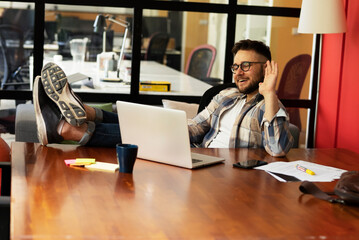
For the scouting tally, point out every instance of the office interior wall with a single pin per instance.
(286, 3)
(196, 32)
(205, 28)
(217, 39)
(338, 108)
(286, 44)
(87, 16)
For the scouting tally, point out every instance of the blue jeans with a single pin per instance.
(107, 133)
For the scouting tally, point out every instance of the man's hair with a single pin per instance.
(257, 46)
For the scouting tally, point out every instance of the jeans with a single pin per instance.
(107, 133)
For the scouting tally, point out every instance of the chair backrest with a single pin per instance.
(12, 51)
(4, 68)
(157, 47)
(291, 83)
(200, 61)
(293, 77)
(213, 91)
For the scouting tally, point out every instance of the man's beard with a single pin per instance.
(251, 88)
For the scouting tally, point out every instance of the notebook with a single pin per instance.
(161, 135)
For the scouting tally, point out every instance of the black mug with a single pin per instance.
(126, 157)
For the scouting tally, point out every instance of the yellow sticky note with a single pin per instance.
(84, 161)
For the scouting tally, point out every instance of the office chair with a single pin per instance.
(157, 47)
(291, 83)
(200, 62)
(12, 64)
(213, 91)
(11, 57)
(210, 93)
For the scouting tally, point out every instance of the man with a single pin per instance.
(247, 116)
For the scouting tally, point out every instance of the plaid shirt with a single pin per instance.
(251, 129)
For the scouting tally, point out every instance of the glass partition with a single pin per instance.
(16, 44)
(183, 49)
(86, 42)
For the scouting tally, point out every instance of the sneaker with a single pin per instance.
(58, 89)
(48, 115)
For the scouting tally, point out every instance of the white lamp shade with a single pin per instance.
(322, 16)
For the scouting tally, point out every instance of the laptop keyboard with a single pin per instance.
(196, 160)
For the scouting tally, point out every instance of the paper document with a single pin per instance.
(322, 173)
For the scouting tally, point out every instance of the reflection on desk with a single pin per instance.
(52, 201)
(181, 84)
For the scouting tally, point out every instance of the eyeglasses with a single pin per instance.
(245, 66)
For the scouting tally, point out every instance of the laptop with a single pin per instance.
(161, 135)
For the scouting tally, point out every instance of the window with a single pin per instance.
(16, 44)
(77, 46)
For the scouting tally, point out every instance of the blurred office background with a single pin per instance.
(188, 25)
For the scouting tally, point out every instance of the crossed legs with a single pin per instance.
(75, 133)
(61, 115)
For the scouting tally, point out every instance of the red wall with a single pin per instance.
(338, 105)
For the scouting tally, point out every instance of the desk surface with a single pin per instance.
(52, 201)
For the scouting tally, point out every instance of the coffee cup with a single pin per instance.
(126, 157)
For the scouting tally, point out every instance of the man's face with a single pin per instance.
(247, 82)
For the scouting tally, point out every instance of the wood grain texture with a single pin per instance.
(52, 201)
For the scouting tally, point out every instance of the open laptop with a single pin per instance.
(161, 135)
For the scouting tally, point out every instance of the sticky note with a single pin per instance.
(68, 162)
(79, 161)
(85, 161)
(103, 166)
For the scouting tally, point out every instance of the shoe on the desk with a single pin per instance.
(58, 89)
(48, 115)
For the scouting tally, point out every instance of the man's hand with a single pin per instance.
(267, 89)
(270, 78)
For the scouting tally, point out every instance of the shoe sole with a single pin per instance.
(41, 126)
(56, 86)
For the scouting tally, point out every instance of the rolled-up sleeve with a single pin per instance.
(277, 138)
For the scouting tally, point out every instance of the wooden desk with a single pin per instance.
(52, 201)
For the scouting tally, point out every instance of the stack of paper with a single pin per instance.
(287, 171)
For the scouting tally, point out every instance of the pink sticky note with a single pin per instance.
(68, 162)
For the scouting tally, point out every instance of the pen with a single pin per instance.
(304, 169)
